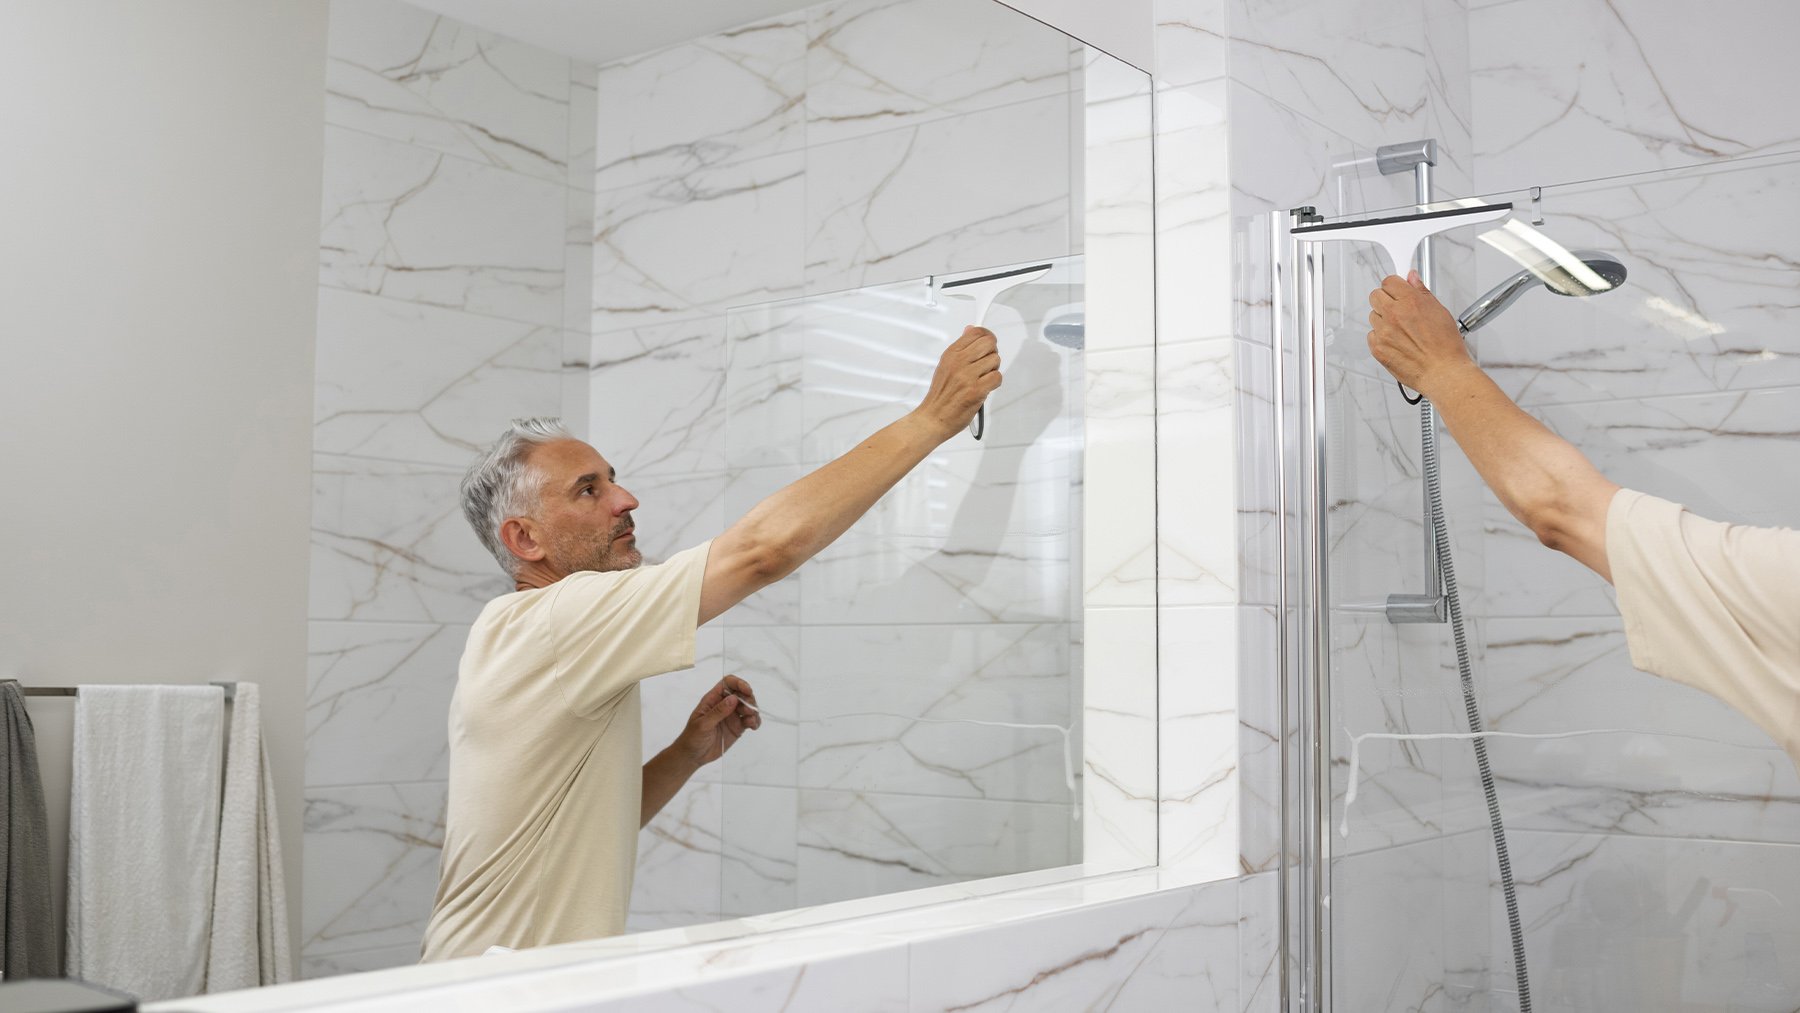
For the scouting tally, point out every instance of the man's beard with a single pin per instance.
(583, 552)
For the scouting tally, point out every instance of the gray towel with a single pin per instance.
(27, 938)
(249, 942)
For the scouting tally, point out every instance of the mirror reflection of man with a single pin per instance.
(547, 793)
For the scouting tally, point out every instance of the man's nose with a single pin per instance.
(631, 502)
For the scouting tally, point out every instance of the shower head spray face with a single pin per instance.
(1610, 270)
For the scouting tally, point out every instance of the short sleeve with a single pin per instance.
(611, 630)
(1712, 605)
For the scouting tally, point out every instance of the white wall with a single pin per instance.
(160, 187)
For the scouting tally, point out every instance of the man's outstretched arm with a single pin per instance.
(1551, 487)
(791, 526)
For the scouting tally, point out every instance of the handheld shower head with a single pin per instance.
(1603, 268)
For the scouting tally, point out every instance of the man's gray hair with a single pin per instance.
(502, 485)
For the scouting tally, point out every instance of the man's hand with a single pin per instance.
(967, 372)
(1414, 336)
(719, 721)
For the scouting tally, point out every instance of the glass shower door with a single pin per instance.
(1651, 830)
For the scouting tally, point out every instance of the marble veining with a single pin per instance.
(371, 865)
(376, 698)
(721, 98)
(396, 71)
(875, 65)
(1624, 86)
(417, 225)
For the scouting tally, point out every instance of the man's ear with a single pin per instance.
(519, 535)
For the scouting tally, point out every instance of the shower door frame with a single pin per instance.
(1303, 614)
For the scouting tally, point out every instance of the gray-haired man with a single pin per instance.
(546, 789)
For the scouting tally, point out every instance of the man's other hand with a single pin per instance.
(719, 721)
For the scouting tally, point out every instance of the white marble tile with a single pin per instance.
(399, 72)
(1395, 935)
(779, 603)
(1190, 41)
(873, 981)
(389, 543)
(1170, 951)
(717, 238)
(577, 393)
(411, 382)
(1119, 475)
(713, 100)
(862, 687)
(658, 398)
(967, 193)
(1623, 923)
(1258, 523)
(869, 356)
(370, 866)
(1193, 226)
(416, 225)
(1625, 87)
(1198, 739)
(760, 872)
(1709, 303)
(1197, 538)
(1259, 739)
(769, 659)
(858, 845)
(1119, 733)
(969, 536)
(874, 65)
(328, 965)
(584, 112)
(765, 364)
(1692, 766)
(1259, 948)
(1118, 205)
(678, 862)
(378, 701)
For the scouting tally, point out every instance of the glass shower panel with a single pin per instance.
(1652, 831)
(920, 679)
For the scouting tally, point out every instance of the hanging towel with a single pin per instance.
(27, 935)
(249, 944)
(143, 836)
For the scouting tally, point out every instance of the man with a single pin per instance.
(546, 792)
(1714, 606)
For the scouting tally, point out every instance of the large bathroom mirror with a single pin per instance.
(724, 251)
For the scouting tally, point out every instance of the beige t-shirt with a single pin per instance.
(546, 756)
(1713, 606)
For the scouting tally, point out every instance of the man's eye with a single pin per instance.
(587, 490)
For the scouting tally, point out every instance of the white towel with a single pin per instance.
(249, 945)
(143, 835)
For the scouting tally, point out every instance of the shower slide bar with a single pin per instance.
(1401, 236)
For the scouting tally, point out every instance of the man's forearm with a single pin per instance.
(810, 514)
(664, 775)
(1541, 478)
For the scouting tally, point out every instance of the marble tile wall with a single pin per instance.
(456, 161)
(1680, 384)
(758, 307)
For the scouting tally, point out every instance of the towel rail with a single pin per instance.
(230, 689)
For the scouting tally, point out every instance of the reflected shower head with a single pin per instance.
(1068, 330)
(1562, 281)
